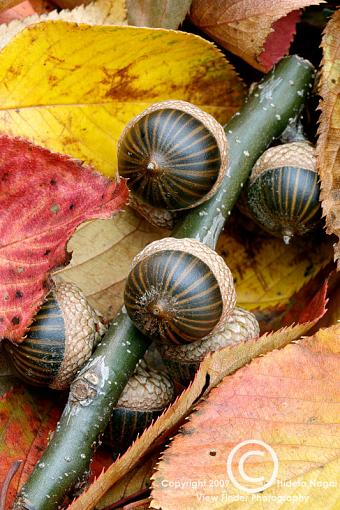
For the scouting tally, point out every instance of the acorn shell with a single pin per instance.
(183, 361)
(146, 395)
(174, 155)
(62, 337)
(283, 192)
(179, 290)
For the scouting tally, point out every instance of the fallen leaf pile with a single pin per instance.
(72, 74)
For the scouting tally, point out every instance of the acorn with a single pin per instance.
(179, 290)
(283, 191)
(146, 395)
(183, 361)
(61, 338)
(173, 154)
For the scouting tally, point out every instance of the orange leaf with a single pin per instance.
(24, 9)
(328, 154)
(212, 369)
(288, 400)
(27, 417)
(259, 31)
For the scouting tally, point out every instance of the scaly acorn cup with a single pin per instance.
(183, 361)
(146, 395)
(249, 133)
(283, 191)
(60, 340)
(160, 218)
(179, 290)
(174, 155)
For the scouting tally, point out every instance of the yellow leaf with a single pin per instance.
(328, 146)
(101, 256)
(78, 85)
(212, 370)
(101, 12)
(271, 425)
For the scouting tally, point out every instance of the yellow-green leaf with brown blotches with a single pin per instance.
(78, 85)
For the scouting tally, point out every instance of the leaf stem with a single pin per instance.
(9, 477)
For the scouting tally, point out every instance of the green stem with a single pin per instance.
(273, 103)
(93, 394)
(98, 386)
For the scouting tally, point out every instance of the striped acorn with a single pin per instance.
(146, 395)
(179, 290)
(174, 155)
(183, 361)
(61, 338)
(283, 191)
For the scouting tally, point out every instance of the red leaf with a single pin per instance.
(278, 42)
(43, 198)
(27, 417)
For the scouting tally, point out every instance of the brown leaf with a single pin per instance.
(101, 256)
(328, 153)
(157, 13)
(136, 482)
(259, 31)
(289, 400)
(212, 369)
(43, 198)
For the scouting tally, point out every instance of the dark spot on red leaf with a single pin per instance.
(71, 206)
(18, 294)
(50, 224)
(15, 320)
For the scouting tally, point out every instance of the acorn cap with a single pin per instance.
(83, 330)
(241, 325)
(161, 218)
(147, 390)
(294, 154)
(206, 119)
(207, 255)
